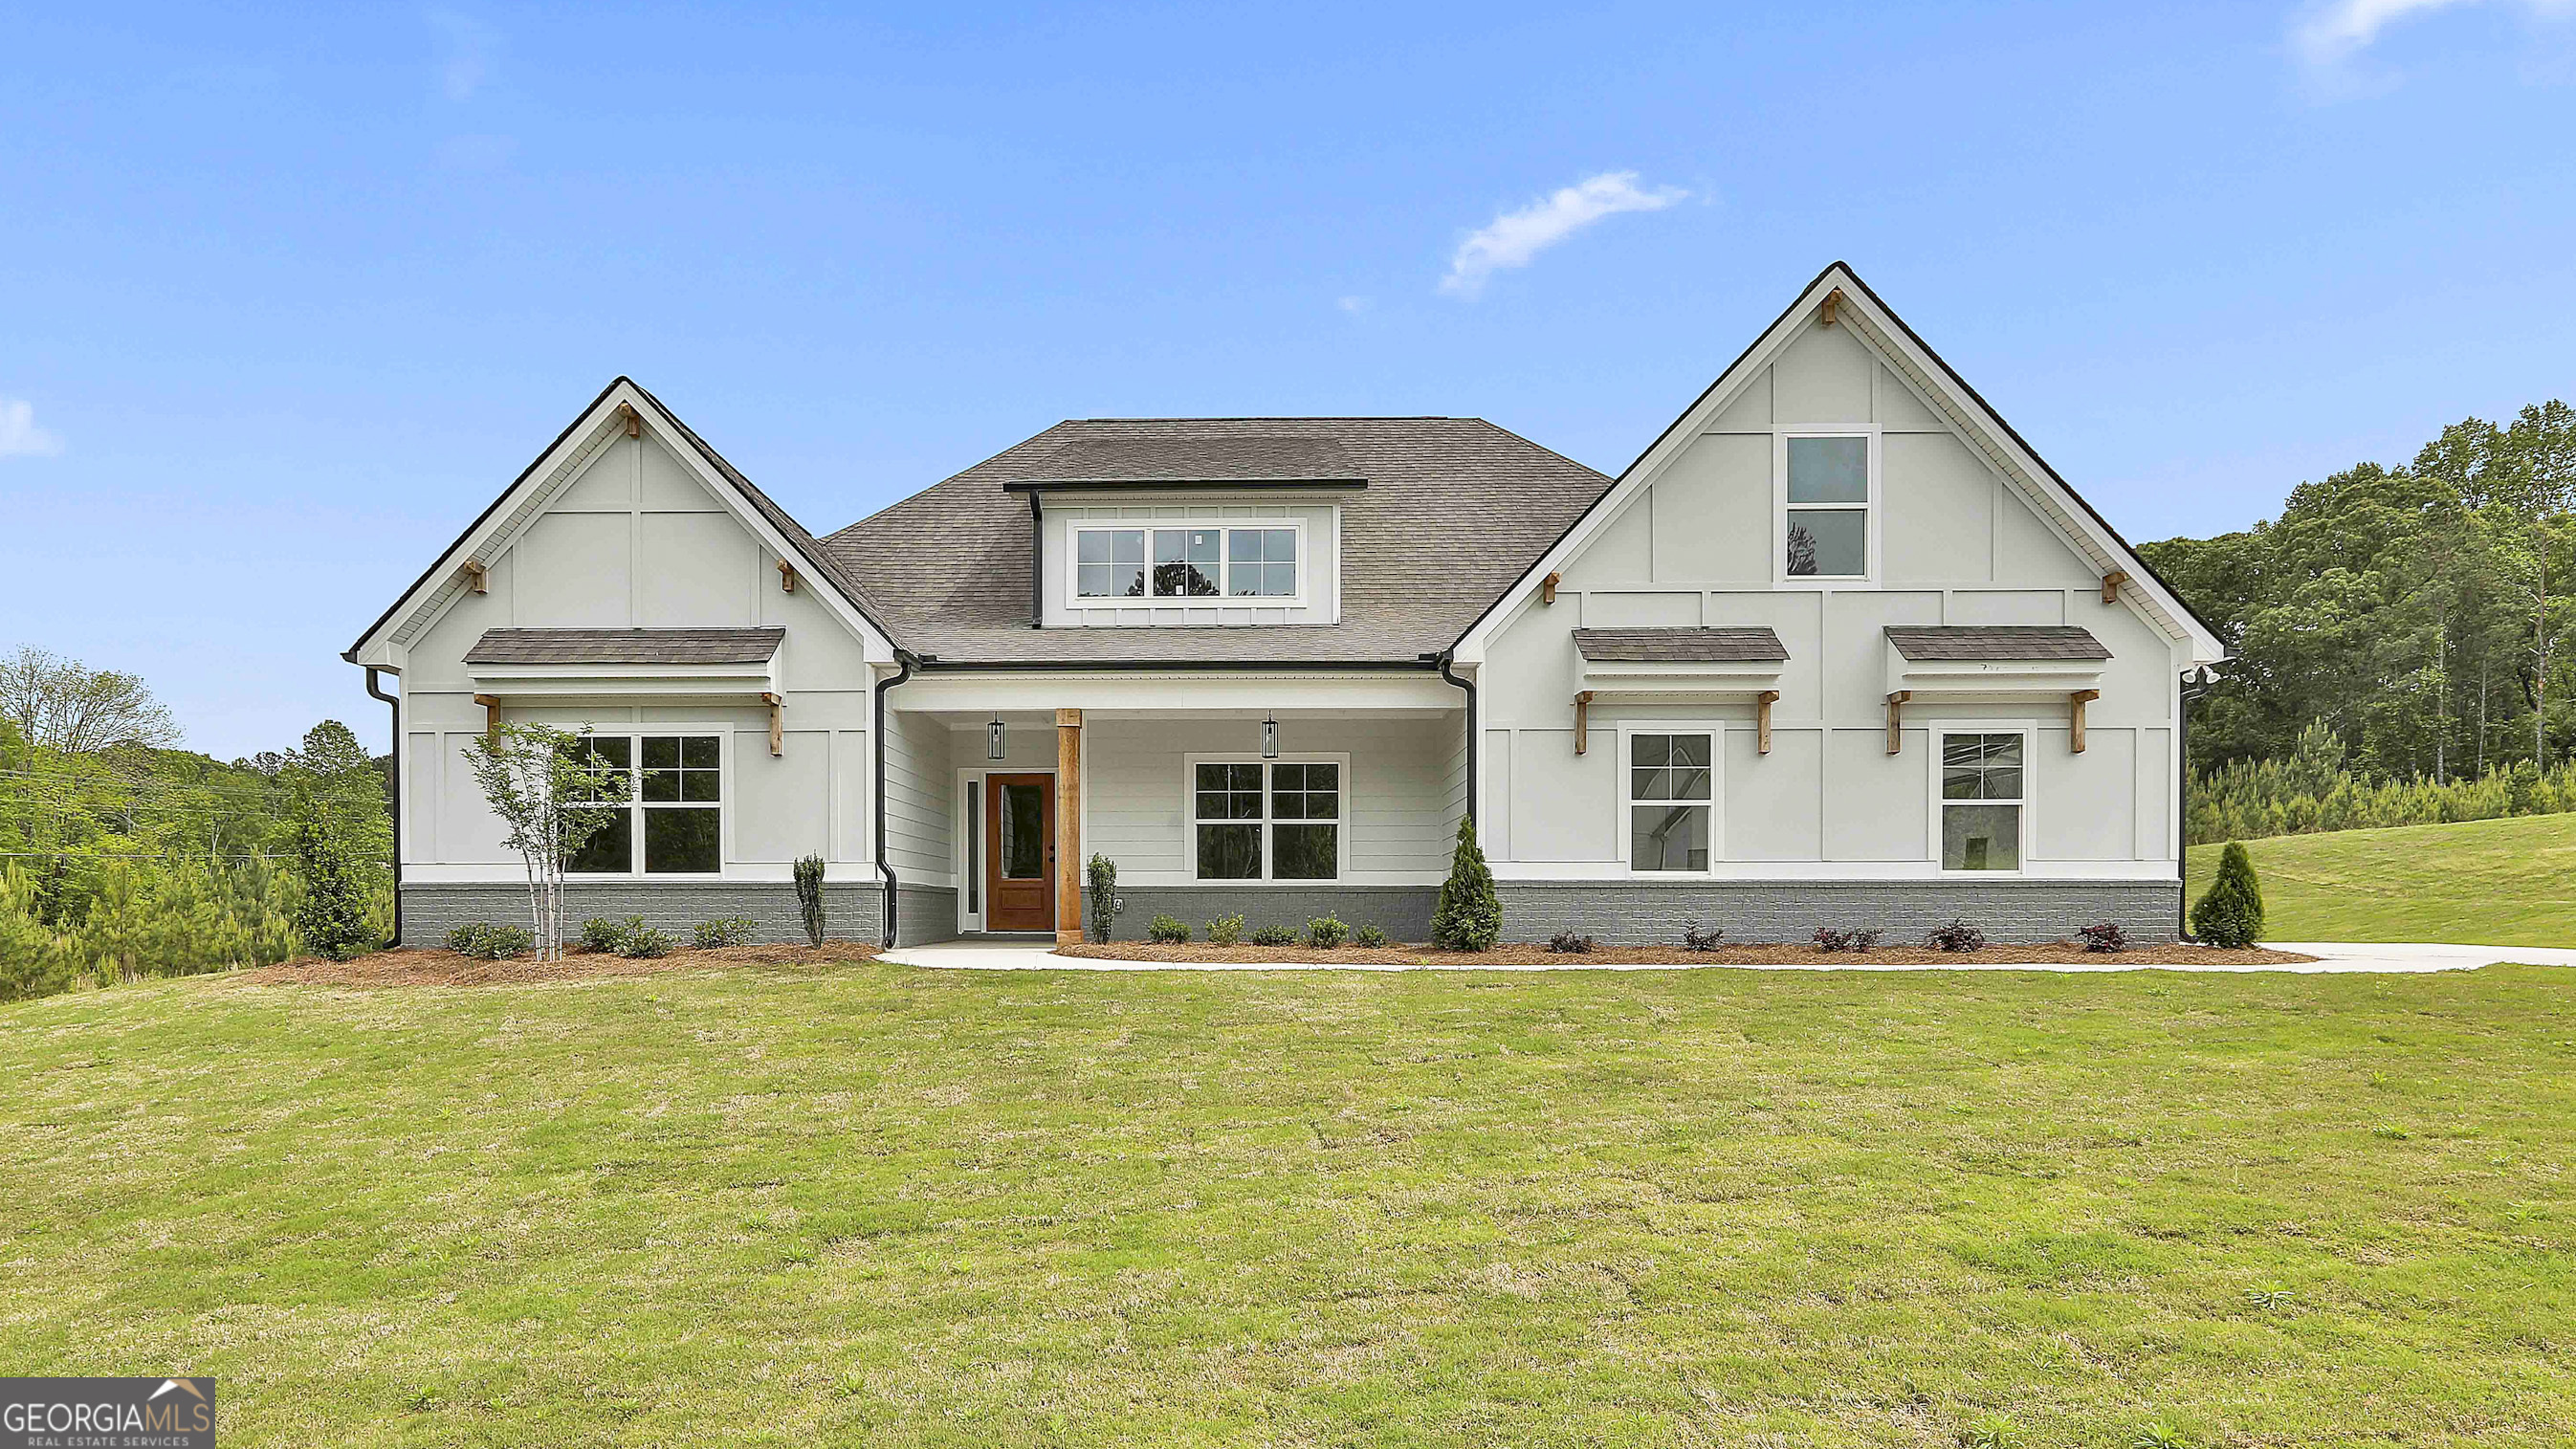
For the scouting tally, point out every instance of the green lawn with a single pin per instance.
(873, 1205)
(2485, 882)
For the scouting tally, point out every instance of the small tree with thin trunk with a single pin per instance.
(552, 794)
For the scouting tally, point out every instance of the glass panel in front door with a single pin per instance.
(1022, 855)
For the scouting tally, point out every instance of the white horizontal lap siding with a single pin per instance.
(919, 838)
(1396, 798)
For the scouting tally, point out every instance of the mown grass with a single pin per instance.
(874, 1205)
(2482, 882)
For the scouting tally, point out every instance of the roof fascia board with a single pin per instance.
(553, 470)
(1267, 487)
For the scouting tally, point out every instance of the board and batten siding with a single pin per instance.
(1957, 546)
(633, 540)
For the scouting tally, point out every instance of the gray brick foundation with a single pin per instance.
(1637, 914)
(1403, 912)
(433, 908)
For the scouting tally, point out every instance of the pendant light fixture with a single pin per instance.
(993, 739)
(1270, 739)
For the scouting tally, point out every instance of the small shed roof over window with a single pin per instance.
(1680, 646)
(1186, 461)
(1998, 642)
(625, 646)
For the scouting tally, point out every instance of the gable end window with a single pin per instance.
(1984, 793)
(1198, 562)
(1266, 820)
(673, 820)
(1828, 486)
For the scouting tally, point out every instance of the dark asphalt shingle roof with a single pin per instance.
(1995, 641)
(1187, 458)
(1726, 646)
(625, 646)
(1454, 511)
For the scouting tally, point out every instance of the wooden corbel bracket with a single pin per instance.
(476, 572)
(1547, 588)
(777, 727)
(2075, 702)
(1895, 710)
(1582, 721)
(1762, 720)
(786, 577)
(2111, 585)
(634, 420)
(491, 713)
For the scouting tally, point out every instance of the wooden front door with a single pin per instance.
(1019, 852)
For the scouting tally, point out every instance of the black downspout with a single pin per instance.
(1037, 562)
(2195, 685)
(1442, 659)
(885, 868)
(393, 751)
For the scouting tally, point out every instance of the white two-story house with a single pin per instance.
(1838, 649)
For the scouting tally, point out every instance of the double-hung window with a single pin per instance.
(1984, 792)
(1266, 820)
(1825, 497)
(671, 821)
(1671, 801)
(1197, 562)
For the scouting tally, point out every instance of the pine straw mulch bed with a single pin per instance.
(1533, 954)
(447, 968)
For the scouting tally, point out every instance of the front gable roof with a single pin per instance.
(1985, 430)
(598, 425)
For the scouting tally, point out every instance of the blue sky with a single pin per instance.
(286, 297)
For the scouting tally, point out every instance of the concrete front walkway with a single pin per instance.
(2333, 956)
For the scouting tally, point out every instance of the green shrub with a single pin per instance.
(2231, 914)
(723, 931)
(1368, 935)
(1102, 904)
(643, 940)
(1168, 930)
(1326, 932)
(1275, 936)
(599, 933)
(809, 896)
(1469, 916)
(487, 942)
(1226, 930)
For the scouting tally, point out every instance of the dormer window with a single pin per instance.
(1195, 562)
(1827, 485)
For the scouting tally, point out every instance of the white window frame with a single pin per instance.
(1715, 730)
(1075, 599)
(1780, 506)
(1190, 821)
(1939, 730)
(635, 735)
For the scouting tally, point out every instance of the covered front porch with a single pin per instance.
(1278, 797)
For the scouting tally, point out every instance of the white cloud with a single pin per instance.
(19, 435)
(468, 62)
(1515, 237)
(2335, 31)
(1352, 305)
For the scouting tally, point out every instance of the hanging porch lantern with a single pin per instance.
(993, 739)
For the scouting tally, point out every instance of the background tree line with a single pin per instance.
(2399, 640)
(122, 856)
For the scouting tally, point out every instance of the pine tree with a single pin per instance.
(1469, 916)
(2231, 914)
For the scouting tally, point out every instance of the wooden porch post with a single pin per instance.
(1068, 827)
